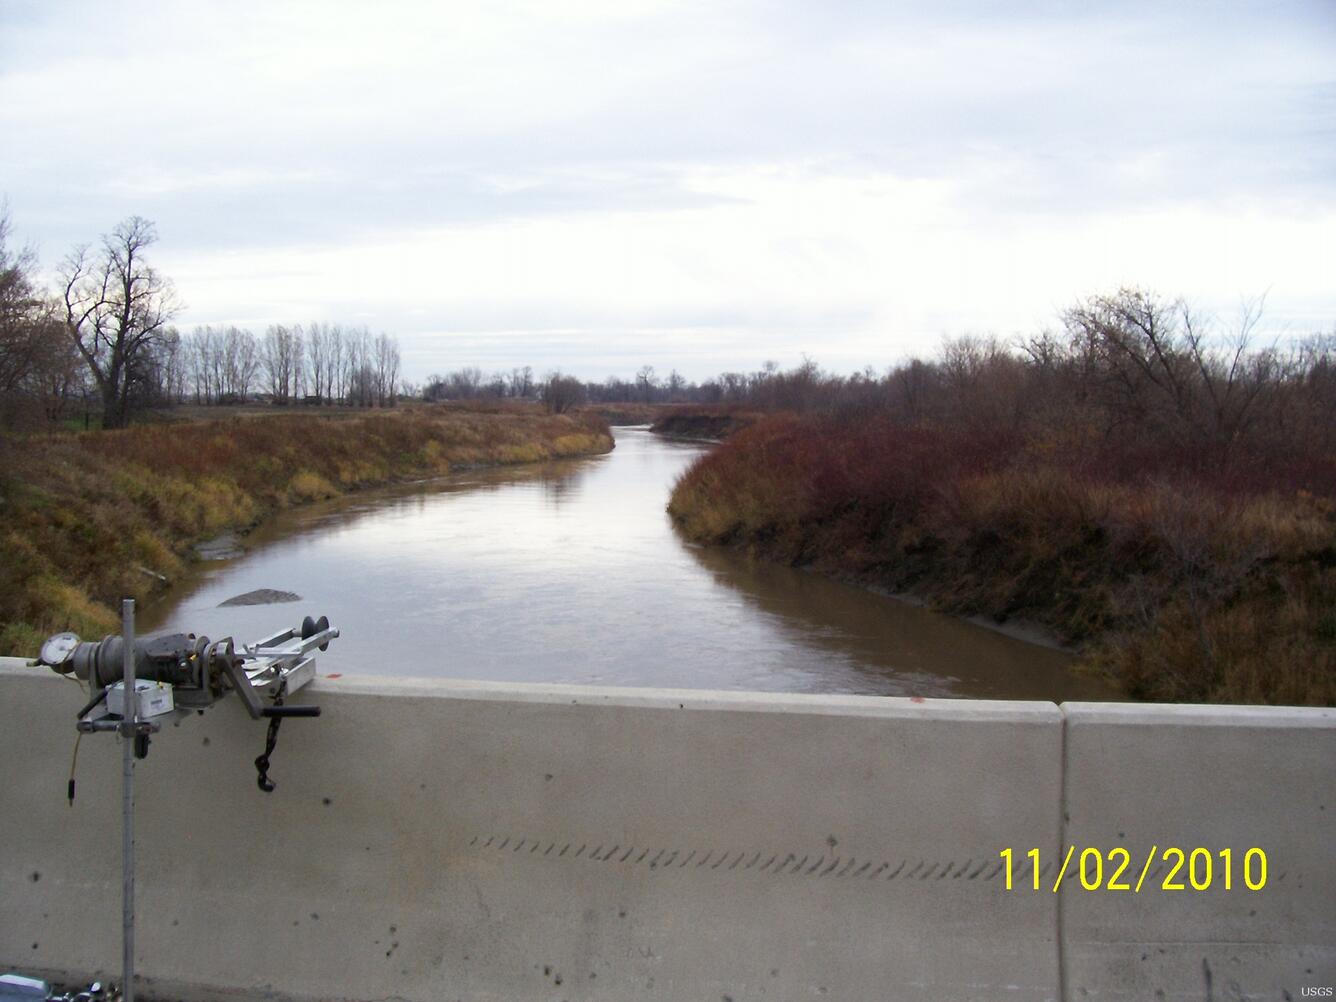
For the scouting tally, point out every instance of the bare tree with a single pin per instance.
(561, 393)
(39, 370)
(298, 388)
(205, 362)
(173, 359)
(278, 358)
(241, 363)
(464, 383)
(387, 369)
(647, 383)
(734, 386)
(359, 374)
(20, 306)
(676, 384)
(317, 353)
(1234, 378)
(117, 309)
(334, 365)
(521, 382)
(1136, 355)
(1158, 368)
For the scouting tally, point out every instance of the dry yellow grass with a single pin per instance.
(86, 516)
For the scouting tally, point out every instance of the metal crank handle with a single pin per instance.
(290, 711)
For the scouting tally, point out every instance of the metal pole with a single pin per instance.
(129, 726)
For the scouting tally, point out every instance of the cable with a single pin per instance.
(76, 680)
(73, 764)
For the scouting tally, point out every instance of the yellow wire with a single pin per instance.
(76, 680)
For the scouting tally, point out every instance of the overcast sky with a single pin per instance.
(600, 185)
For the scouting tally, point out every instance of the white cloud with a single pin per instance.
(601, 179)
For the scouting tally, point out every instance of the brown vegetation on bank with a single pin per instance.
(1165, 507)
(90, 518)
(625, 412)
(710, 423)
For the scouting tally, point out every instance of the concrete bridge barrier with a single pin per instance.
(440, 840)
(1214, 783)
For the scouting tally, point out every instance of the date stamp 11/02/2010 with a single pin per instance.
(1179, 869)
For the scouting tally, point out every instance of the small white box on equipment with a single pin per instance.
(154, 698)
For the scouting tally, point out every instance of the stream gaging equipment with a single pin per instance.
(137, 686)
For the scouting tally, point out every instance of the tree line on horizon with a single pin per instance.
(1131, 365)
(317, 364)
(103, 340)
(1131, 368)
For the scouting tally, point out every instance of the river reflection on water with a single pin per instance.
(573, 573)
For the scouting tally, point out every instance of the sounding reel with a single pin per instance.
(179, 672)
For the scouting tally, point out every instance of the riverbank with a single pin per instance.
(94, 517)
(1178, 588)
(705, 424)
(623, 413)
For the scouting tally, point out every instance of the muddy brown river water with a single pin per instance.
(572, 572)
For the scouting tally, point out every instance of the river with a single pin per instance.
(572, 572)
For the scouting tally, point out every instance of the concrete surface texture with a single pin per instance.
(455, 840)
(1202, 780)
